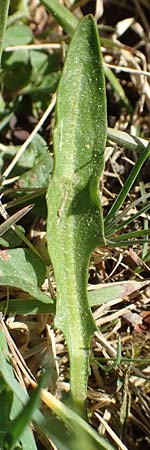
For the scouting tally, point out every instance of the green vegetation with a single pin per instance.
(91, 223)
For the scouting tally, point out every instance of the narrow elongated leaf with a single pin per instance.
(14, 218)
(127, 186)
(27, 439)
(112, 291)
(116, 85)
(126, 140)
(69, 23)
(18, 425)
(75, 423)
(119, 222)
(4, 6)
(87, 437)
(131, 234)
(101, 294)
(11, 383)
(28, 306)
(63, 16)
(6, 399)
(75, 221)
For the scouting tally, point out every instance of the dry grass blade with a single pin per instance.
(113, 435)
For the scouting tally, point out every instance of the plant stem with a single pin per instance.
(4, 7)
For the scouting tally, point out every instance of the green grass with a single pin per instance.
(82, 235)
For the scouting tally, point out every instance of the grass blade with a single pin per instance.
(116, 225)
(73, 421)
(132, 234)
(102, 294)
(145, 246)
(16, 390)
(76, 423)
(126, 140)
(18, 425)
(127, 186)
(63, 16)
(128, 243)
(113, 80)
(4, 7)
(14, 218)
(112, 291)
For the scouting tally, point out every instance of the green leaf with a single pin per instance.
(18, 34)
(120, 222)
(17, 79)
(43, 63)
(19, 5)
(36, 149)
(6, 399)
(64, 17)
(27, 440)
(15, 60)
(75, 221)
(131, 234)
(11, 239)
(9, 383)
(47, 84)
(53, 428)
(126, 140)
(12, 386)
(28, 306)
(16, 69)
(116, 85)
(101, 294)
(69, 22)
(23, 269)
(37, 159)
(38, 176)
(4, 7)
(84, 436)
(13, 219)
(18, 425)
(112, 291)
(127, 186)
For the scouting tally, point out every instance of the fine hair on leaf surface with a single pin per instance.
(89, 278)
(75, 222)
